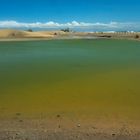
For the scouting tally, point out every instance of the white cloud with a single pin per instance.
(73, 24)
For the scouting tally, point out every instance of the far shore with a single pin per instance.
(20, 35)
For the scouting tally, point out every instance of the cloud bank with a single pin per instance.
(115, 26)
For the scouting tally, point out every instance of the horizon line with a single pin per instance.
(113, 26)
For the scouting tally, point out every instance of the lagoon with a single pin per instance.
(80, 76)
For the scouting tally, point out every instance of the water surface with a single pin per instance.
(70, 76)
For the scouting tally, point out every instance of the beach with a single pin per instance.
(57, 128)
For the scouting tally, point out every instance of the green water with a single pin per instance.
(82, 76)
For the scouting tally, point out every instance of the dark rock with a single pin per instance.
(113, 134)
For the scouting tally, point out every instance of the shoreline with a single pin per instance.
(59, 126)
(46, 39)
(21, 128)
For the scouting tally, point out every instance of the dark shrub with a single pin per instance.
(65, 30)
(136, 36)
(30, 30)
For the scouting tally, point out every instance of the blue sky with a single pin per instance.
(64, 11)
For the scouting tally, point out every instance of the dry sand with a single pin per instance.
(9, 35)
(17, 34)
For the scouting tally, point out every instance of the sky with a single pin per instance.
(85, 14)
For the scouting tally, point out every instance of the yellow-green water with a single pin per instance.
(70, 76)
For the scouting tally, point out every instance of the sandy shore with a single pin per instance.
(19, 35)
(24, 129)
(63, 126)
(60, 128)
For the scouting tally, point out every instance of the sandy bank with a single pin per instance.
(20, 35)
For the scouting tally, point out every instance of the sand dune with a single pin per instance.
(11, 33)
(25, 34)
